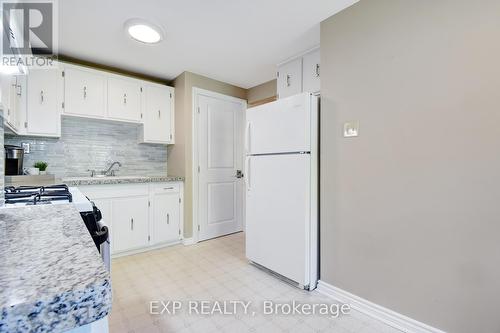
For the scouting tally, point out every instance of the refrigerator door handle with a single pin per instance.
(247, 172)
(247, 137)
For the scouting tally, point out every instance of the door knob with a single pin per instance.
(239, 174)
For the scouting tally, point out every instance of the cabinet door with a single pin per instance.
(166, 215)
(130, 223)
(290, 78)
(12, 92)
(124, 99)
(44, 102)
(158, 101)
(311, 72)
(85, 93)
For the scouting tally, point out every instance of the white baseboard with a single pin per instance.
(375, 311)
(143, 249)
(188, 241)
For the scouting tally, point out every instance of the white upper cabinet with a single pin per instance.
(44, 102)
(311, 73)
(85, 92)
(33, 103)
(301, 74)
(13, 91)
(124, 99)
(290, 78)
(158, 114)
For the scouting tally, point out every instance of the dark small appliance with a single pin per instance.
(14, 156)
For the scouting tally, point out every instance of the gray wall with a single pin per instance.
(94, 144)
(410, 209)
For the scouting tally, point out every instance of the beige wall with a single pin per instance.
(410, 209)
(180, 154)
(262, 93)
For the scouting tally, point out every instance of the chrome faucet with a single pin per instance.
(110, 171)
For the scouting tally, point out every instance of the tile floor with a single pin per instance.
(214, 270)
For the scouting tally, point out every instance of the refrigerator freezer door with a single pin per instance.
(280, 127)
(278, 214)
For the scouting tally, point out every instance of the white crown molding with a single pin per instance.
(376, 311)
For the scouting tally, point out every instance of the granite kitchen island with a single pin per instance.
(52, 278)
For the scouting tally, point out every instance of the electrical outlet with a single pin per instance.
(351, 129)
(26, 147)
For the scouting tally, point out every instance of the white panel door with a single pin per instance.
(166, 218)
(220, 206)
(277, 213)
(44, 102)
(124, 99)
(158, 109)
(130, 223)
(85, 93)
(279, 127)
(290, 78)
(311, 72)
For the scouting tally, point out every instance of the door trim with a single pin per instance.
(195, 93)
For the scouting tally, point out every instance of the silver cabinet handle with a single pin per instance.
(159, 114)
(41, 96)
(317, 70)
(84, 91)
(124, 98)
(168, 188)
(288, 77)
(132, 224)
(168, 218)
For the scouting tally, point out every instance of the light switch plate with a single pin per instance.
(351, 129)
(26, 147)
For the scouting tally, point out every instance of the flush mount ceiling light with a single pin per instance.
(144, 31)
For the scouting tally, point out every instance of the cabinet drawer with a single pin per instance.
(114, 190)
(165, 188)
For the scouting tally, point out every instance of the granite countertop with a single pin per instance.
(79, 181)
(52, 277)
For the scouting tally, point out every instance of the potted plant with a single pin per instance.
(42, 166)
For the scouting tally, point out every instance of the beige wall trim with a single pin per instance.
(387, 316)
(263, 92)
(263, 101)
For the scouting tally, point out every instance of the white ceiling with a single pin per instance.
(236, 41)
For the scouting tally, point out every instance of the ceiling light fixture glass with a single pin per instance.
(144, 31)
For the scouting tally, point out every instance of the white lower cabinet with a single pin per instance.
(130, 223)
(139, 216)
(166, 217)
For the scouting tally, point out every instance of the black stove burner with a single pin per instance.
(35, 195)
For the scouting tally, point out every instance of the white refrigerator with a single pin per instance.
(281, 166)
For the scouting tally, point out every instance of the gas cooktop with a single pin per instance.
(37, 195)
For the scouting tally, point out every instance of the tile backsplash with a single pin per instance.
(94, 144)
